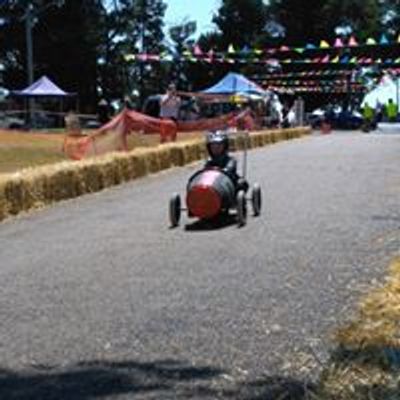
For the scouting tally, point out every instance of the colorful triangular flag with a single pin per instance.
(324, 44)
(353, 42)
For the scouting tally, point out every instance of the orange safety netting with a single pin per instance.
(113, 135)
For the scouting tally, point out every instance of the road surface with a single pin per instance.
(100, 299)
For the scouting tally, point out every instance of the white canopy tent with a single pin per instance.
(388, 89)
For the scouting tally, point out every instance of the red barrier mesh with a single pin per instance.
(113, 135)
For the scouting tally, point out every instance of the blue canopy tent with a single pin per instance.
(232, 90)
(235, 84)
(43, 88)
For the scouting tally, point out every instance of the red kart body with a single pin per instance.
(209, 192)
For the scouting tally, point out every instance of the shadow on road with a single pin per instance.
(386, 218)
(153, 380)
(96, 379)
(273, 388)
(220, 222)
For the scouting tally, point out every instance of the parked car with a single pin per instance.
(151, 106)
(338, 118)
(11, 122)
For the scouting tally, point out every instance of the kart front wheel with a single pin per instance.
(256, 199)
(241, 208)
(174, 210)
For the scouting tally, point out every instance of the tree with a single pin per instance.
(67, 47)
(361, 15)
(181, 36)
(65, 44)
(300, 21)
(136, 27)
(390, 17)
(318, 21)
(240, 22)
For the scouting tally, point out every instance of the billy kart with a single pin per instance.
(212, 193)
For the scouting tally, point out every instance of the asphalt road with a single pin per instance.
(100, 299)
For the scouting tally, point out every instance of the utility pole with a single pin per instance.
(29, 44)
(29, 17)
(144, 51)
(29, 55)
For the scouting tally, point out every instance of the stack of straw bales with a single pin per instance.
(36, 187)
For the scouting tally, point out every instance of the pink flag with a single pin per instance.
(197, 50)
(338, 43)
(353, 42)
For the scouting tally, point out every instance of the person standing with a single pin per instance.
(170, 103)
(391, 111)
(103, 112)
(369, 115)
(169, 108)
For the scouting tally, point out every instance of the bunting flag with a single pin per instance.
(384, 40)
(353, 42)
(324, 44)
(197, 51)
(212, 57)
(231, 49)
(338, 43)
(274, 57)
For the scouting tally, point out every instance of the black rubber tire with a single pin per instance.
(241, 207)
(256, 199)
(174, 210)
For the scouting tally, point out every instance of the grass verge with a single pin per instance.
(366, 362)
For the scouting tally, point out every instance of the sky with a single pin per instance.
(201, 11)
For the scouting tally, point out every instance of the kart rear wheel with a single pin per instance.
(174, 210)
(241, 208)
(256, 199)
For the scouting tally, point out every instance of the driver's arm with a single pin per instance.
(231, 168)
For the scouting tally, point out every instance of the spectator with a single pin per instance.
(391, 111)
(285, 112)
(379, 111)
(103, 111)
(128, 103)
(368, 115)
(170, 104)
(72, 123)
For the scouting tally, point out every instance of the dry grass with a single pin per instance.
(19, 150)
(366, 364)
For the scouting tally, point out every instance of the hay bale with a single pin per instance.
(110, 172)
(258, 139)
(153, 161)
(20, 193)
(3, 200)
(192, 151)
(139, 164)
(90, 178)
(165, 157)
(266, 139)
(60, 184)
(47, 184)
(125, 168)
(15, 194)
(177, 156)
